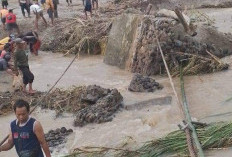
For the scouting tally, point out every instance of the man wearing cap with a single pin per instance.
(21, 62)
(11, 22)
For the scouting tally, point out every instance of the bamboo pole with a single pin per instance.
(188, 117)
(180, 106)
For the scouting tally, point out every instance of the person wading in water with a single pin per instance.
(26, 133)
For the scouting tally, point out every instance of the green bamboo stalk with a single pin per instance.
(188, 117)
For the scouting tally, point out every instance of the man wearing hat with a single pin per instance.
(21, 62)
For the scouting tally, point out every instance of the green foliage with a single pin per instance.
(215, 135)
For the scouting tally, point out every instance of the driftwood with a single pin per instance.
(189, 28)
(148, 10)
(182, 20)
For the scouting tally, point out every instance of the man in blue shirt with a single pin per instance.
(26, 134)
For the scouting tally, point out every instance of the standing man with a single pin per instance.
(50, 10)
(21, 62)
(38, 13)
(88, 8)
(26, 133)
(3, 13)
(24, 4)
(4, 3)
(11, 22)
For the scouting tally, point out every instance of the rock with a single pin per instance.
(141, 83)
(63, 130)
(109, 101)
(57, 137)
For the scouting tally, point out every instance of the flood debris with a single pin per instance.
(210, 136)
(57, 137)
(91, 104)
(101, 104)
(140, 83)
(7, 100)
(138, 51)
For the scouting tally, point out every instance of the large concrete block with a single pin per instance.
(120, 40)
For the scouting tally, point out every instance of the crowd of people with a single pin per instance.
(26, 133)
(14, 52)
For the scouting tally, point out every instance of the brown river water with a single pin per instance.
(206, 95)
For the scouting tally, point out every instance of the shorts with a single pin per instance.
(4, 3)
(28, 77)
(88, 8)
(11, 26)
(3, 20)
(50, 13)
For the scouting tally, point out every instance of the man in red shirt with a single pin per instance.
(11, 22)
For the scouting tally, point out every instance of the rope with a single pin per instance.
(46, 94)
(187, 130)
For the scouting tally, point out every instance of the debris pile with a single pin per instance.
(136, 49)
(81, 37)
(194, 56)
(91, 104)
(101, 104)
(140, 83)
(226, 4)
(57, 137)
(64, 100)
(7, 99)
(211, 136)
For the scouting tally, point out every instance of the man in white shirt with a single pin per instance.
(38, 11)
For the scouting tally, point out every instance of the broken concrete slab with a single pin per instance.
(166, 100)
(120, 40)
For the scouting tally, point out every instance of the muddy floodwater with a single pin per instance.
(206, 95)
